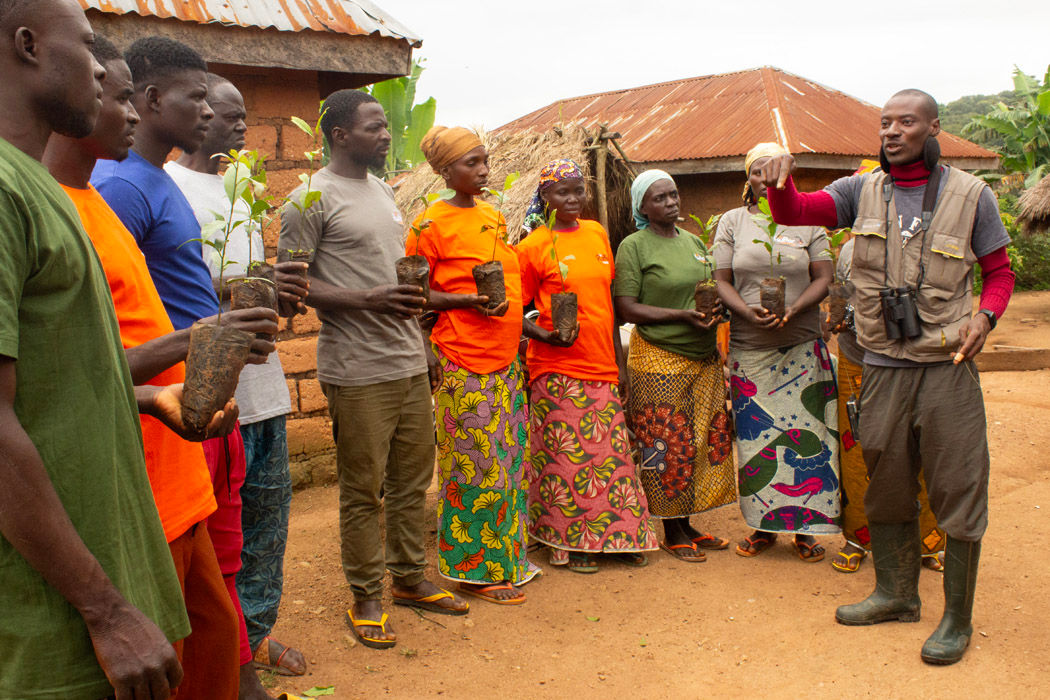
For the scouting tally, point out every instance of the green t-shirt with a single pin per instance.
(663, 272)
(75, 400)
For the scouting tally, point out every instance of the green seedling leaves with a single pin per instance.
(303, 126)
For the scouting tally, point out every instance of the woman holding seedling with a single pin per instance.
(772, 279)
(480, 401)
(676, 401)
(585, 497)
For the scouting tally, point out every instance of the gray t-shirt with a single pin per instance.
(357, 233)
(797, 246)
(988, 233)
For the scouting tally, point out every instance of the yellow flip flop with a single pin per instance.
(430, 603)
(369, 641)
(849, 567)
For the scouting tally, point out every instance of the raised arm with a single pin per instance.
(789, 206)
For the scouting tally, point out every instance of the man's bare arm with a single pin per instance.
(131, 650)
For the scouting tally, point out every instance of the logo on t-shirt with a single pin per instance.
(602, 258)
(913, 228)
(792, 241)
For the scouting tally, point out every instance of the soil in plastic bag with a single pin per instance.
(216, 357)
(564, 311)
(489, 279)
(771, 295)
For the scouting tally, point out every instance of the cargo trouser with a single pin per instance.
(384, 435)
(930, 418)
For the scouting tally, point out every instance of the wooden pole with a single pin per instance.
(603, 205)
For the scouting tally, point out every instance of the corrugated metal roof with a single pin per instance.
(354, 17)
(721, 116)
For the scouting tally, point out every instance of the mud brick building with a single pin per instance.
(285, 56)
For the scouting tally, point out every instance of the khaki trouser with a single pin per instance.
(929, 418)
(384, 435)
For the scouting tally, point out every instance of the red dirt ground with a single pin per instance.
(730, 627)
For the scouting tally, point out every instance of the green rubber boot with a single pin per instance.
(948, 642)
(896, 551)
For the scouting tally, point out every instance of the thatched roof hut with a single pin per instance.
(526, 153)
(1035, 207)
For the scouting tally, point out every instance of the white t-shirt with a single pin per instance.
(261, 392)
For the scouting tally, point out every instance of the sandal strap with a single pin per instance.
(433, 597)
(381, 624)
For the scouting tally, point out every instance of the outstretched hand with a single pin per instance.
(776, 170)
(167, 408)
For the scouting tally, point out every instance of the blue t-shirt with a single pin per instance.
(157, 214)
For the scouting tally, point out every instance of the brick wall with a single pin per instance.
(270, 98)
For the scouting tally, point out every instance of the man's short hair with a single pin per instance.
(215, 80)
(932, 110)
(11, 8)
(340, 108)
(104, 50)
(156, 57)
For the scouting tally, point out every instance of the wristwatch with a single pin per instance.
(991, 317)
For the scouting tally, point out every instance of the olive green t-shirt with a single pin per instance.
(663, 272)
(74, 398)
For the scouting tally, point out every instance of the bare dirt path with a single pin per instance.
(730, 627)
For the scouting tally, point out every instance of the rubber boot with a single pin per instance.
(949, 641)
(897, 554)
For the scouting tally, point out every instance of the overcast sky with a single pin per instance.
(491, 61)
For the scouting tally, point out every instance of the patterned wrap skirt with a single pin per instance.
(855, 476)
(682, 434)
(584, 494)
(482, 426)
(785, 402)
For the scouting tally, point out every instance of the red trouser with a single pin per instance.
(208, 656)
(225, 457)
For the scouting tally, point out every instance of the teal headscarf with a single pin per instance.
(639, 187)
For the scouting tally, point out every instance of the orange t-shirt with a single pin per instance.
(177, 471)
(453, 244)
(589, 257)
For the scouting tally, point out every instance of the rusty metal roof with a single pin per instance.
(353, 17)
(723, 116)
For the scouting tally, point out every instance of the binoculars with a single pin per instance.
(899, 313)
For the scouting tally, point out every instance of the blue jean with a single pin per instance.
(266, 497)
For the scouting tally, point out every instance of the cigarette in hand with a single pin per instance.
(959, 357)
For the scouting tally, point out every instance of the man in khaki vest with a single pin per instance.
(921, 404)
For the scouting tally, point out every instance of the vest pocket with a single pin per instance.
(869, 250)
(947, 267)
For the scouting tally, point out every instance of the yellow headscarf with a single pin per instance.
(761, 150)
(443, 146)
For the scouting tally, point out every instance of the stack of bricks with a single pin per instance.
(271, 96)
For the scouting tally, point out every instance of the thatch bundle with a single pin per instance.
(1035, 207)
(526, 153)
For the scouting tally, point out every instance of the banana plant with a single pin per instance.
(407, 122)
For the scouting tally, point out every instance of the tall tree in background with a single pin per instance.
(1024, 127)
(409, 122)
